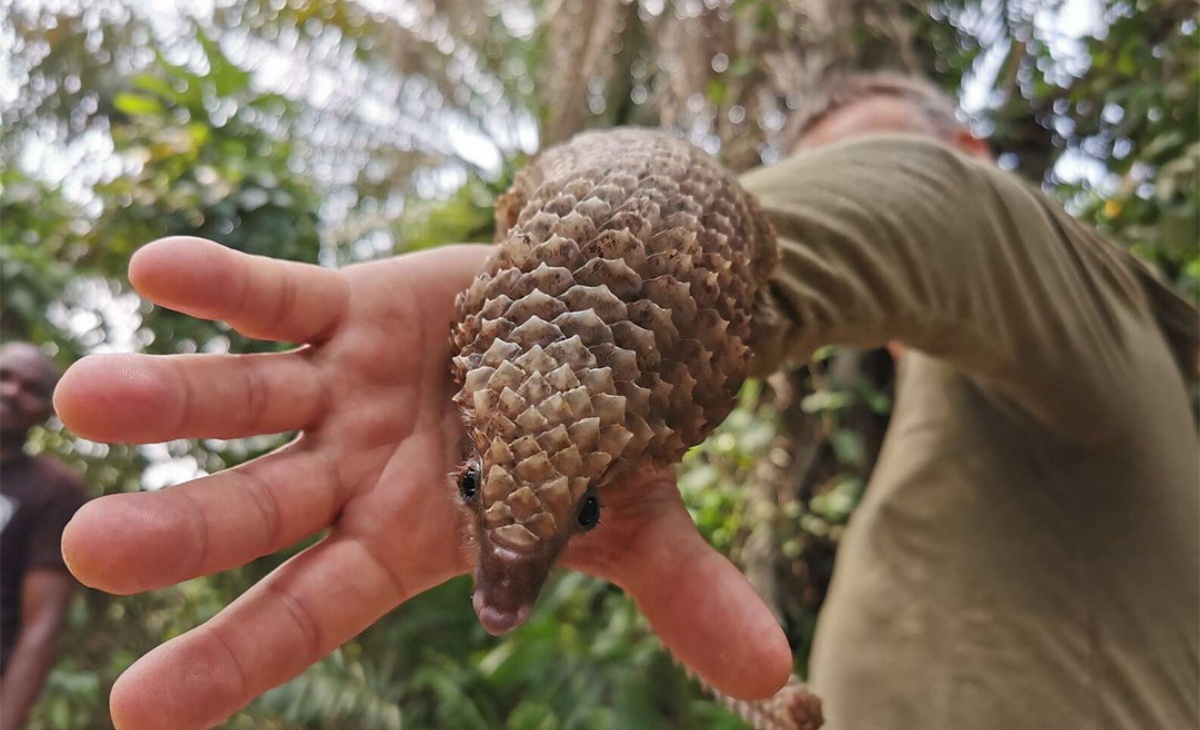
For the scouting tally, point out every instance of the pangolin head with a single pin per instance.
(546, 429)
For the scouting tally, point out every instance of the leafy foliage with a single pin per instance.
(1147, 72)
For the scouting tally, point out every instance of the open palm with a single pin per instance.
(370, 393)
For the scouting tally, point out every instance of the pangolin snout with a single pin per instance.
(507, 584)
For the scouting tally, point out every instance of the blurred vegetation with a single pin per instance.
(331, 131)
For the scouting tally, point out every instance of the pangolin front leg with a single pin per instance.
(609, 333)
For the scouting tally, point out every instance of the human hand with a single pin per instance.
(370, 392)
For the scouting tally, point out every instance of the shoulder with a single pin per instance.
(866, 166)
(871, 150)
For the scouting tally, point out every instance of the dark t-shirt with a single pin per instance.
(38, 496)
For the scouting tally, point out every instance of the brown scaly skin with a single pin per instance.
(609, 333)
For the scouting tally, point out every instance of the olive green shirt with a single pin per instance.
(1027, 554)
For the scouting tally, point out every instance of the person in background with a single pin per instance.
(38, 496)
(1027, 554)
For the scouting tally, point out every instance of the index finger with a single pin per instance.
(260, 297)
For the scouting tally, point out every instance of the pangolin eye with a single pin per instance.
(589, 512)
(468, 481)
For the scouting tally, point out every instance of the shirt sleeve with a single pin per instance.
(900, 238)
(45, 543)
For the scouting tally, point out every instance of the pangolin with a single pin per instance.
(609, 333)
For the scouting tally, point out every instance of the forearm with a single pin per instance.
(45, 596)
(32, 657)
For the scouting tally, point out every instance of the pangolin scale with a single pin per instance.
(609, 332)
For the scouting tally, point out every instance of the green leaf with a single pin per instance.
(155, 85)
(848, 446)
(826, 400)
(227, 78)
(137, 104)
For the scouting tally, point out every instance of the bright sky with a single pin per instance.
(322, 84)
(1065, 29)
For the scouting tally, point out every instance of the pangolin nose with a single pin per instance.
(498, 621)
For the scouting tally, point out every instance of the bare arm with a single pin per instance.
(45, 597)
